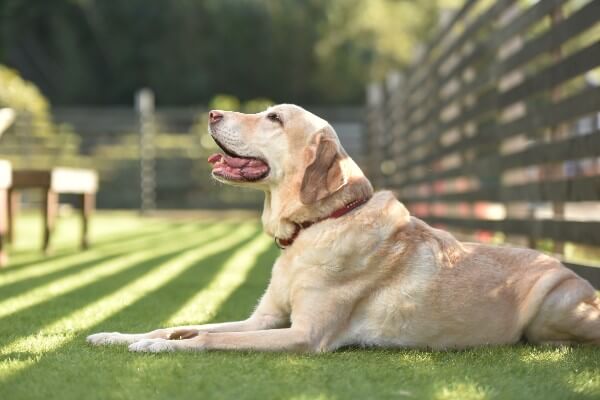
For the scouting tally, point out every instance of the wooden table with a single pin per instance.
(5, 184)
(54, 182)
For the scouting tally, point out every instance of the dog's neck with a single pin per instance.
(282, 211)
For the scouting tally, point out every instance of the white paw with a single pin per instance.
(153, 345)
(104, 338)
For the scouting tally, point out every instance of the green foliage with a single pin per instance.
(34, 138)
(301, 51)
(17, 93)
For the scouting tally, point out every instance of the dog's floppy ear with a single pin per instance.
(323, 175)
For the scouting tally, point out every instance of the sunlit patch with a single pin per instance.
(63, 263)
(58, 333)
(98, 271)
(542, 355)
(587, 381)
(204, 305)
(463, 391)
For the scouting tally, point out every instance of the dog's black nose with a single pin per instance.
(215, 116)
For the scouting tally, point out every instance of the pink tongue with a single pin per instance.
(236, 162)
(238, 167)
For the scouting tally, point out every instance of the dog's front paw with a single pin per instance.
(104, 338)
(153, 345)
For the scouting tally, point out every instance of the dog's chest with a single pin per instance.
(394, 313)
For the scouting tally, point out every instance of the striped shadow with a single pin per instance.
(53, 336)
(203, 306)
(99, 271)
(44, 265)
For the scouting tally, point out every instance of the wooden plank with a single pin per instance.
(440, 35)
(586, 188)
(567, 231)
(569, 67)
(486, 17)
(25, 178)
(485, 48)
(59, 180)
(586, 17)
(433, 69)
(583, 19)
(585, 102)
(572, 148)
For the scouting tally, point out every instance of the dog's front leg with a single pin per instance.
(266, 316)
(287, 339)
(316, 324)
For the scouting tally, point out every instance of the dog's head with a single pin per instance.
(284, 146)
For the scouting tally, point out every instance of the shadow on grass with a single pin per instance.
(33, 318)
(25, 284)
(242, 301)
(150, 311)
(96, 245)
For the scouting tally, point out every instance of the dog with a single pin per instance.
(356, 269)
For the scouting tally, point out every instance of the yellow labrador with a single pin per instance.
(357, 269)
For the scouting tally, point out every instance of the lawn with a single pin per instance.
(147, 273)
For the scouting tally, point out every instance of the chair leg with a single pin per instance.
(3, 226)
(50, 209)
(14, 198)
(88, 201)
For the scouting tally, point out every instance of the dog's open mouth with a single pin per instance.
(234, 167)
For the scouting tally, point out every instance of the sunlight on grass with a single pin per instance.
(28, 232)
(60, 263)
(52, 336)
(584, 381)
(546, 355)
(203, 306)
(92, 274)
(464, 391)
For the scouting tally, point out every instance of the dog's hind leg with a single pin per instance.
(569, 314)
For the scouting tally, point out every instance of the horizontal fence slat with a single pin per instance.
(432, 81)
(417, 69)
(572, 66)
(565, 231)
(484, 48)
(576, 64)
(573, 148)
(551, 39)
(583, 103)
(586, 188)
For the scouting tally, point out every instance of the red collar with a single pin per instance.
(283, 243)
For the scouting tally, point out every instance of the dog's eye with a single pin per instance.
(275, 118)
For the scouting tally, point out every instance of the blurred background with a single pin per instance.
(72, 69)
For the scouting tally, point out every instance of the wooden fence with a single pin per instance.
(494, 132)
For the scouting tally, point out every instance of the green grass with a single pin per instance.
(146, 273)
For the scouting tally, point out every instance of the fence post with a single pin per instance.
(374, 137)
(144, 101)
(557, 132)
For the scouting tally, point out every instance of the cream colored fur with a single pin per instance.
(376, 276)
